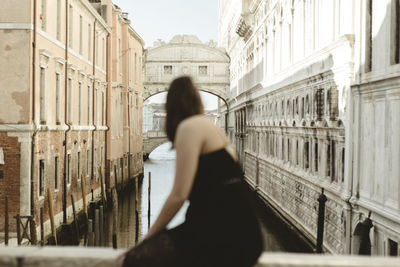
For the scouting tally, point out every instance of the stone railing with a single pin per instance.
(107, 257)
(154, 134)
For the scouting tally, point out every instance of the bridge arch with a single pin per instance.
(152, 140)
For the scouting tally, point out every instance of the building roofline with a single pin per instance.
(96, 14)
(136, 35)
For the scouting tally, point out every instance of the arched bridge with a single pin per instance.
(186, 55)
(152, 140)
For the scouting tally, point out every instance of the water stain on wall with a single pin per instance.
(22, 100)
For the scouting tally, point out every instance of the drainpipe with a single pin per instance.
(129, 134)
(35, 128)
(107, 169)
(129, 122)
(93, 90)
(65, 115)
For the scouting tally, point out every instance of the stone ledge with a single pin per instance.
(107, 257)
(58, 256)
(326, 260)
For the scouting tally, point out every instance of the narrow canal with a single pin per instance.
(130, 228)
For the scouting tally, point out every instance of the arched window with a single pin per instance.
(307, 108)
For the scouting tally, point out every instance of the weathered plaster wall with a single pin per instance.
(15, 66)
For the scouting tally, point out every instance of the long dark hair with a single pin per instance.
(183, 101)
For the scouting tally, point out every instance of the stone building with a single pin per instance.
(154, 116)
(205, 63)
(56, 82)
(186, 55)
(313, 95)
(124, 158)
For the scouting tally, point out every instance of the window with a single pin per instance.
(121, 116)
(393, 248)
(316, 156)
(87, 161)
(395, 36)
(41, 177)
(89, 42)
(135, 68)
(59, 20)
(42, 95)
(320, 103)
(88, 104)
(96, 48)
(368, 37)
(168, 70)
(94, 162)
(68, 169)
(43, 14)
(80, 34)
(56, 168)
(80, 104)
(333, 161)
(140, 64)
(306, 155)
(58, 98)
(95, 106)
(102, 108)
(297, 152)
(137, 111)
(343, 164)
(79, 166)
(121, 163)
(70, 26)
(290, 42)
(202, 70)
(120, 55)
(101, 156)
(103, 61)
(307, 109)
(69, 100)
(328, 160)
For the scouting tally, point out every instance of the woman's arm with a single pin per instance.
(188, 143)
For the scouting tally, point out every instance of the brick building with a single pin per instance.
(60, 67)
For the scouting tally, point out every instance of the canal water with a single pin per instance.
(132, 226)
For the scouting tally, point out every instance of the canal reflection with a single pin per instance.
(278, 236)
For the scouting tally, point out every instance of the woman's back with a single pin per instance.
(220, 227)
(220, 219)
(213, 138)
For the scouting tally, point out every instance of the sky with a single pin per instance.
(162, 19)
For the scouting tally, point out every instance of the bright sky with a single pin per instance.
(162, 19)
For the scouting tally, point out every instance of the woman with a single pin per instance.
(220, 227)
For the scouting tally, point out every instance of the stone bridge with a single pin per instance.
(107, 257)
(186, 55)
(152, 140)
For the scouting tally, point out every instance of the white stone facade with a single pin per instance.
(306, 112)
(186, 55)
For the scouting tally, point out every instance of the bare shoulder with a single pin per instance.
(195, 122)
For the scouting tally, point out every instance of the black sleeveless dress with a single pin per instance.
(220, 227)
